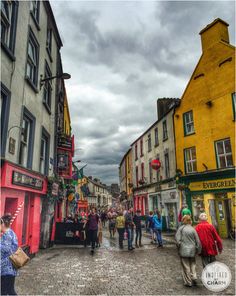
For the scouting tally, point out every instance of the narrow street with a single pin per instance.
(71, 270)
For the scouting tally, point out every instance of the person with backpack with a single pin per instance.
(120, 226)
(157, 227)
(8, 245)
(138, 228)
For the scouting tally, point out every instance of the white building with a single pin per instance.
(99, 195)
(157, 188)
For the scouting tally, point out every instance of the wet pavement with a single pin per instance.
(71, 270)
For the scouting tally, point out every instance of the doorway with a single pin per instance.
(223, 216)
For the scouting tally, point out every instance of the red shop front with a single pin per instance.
(141, 203)
(21, 191)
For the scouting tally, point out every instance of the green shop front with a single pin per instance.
(213, 193)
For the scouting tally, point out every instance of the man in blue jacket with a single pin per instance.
(157, 227)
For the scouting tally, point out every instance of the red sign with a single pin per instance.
(156, 164)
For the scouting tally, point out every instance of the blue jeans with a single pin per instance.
(158, 235)
(130, 232)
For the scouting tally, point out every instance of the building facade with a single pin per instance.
(29, 54)
(99, 195)
(205, 131)
(157, 188)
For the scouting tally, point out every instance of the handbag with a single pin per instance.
(19, 258)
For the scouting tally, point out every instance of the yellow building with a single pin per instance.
(205, 131)
(66, 117)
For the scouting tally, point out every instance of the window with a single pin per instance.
(165, 133)
(234, 105)
(167, 165)
(49, 41)
(141, 147)
(190, 160)
(150, 171)
(224, 153)
(44, 152)
(142, 171)
(34, 8)
(136, 151)
(156, 137)
(188, 123)
(5, 109)
(27, 139)
(9, 11)
(32, 60)
(149, 143)
(47, 93)
(158, 171)
(137, 176)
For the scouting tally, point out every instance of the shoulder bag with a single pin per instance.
(19, 258)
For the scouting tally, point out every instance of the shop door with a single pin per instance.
(25, 229)
(221, 216)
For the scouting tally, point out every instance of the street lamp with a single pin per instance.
(62, 76)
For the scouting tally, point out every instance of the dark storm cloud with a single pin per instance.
(122, 56)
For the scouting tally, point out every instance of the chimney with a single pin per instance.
(213, 33)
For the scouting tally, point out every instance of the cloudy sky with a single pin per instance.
(122, 56)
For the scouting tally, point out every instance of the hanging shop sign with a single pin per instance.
(62, 161)
(26, 181)
(156, 164)
(213, 184)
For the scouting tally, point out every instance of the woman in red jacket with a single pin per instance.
(210, 240)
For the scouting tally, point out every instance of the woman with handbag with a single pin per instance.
(189, 246)
(8, 246)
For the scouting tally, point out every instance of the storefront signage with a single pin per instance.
(55, 188)
(26, 181)
(213, 184)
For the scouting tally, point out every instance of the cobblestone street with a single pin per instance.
(67, 270)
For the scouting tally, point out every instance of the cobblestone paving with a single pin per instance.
(66, 270)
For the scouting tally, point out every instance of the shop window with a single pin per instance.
(35, 9)
(27, 139)
(167, 165)
(188, 123)
(5, 109)
(190, 160)
(9, 11)
(149, 143)
(198, 206)
(47, 92)
(165, 132)
(44, 152)
(32, 60)
(156, 137)
(224, 153)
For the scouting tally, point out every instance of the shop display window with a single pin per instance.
(198, 206)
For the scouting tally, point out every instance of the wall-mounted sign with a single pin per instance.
(26, 181)
(12, 146)
(62, 161)
(213, 184)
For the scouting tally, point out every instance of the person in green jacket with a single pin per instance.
(186, 211)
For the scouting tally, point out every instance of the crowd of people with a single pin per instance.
(202, 240)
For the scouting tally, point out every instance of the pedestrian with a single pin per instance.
(8, 245)
(112, 222)
(138, 228)
(99, 237)
(209, 239)
(129, 227)
(150, 225)
(186, 211)
(103, 218)
(189, 246)
(157, 227)
(120, 226)
(92, 222)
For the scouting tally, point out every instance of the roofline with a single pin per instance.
(212, 24)
(125, 156)
(154, 124)
(49, 10)
(95, 183)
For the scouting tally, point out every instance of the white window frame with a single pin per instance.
(225, 154)
(190, 161)
(188, 123)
